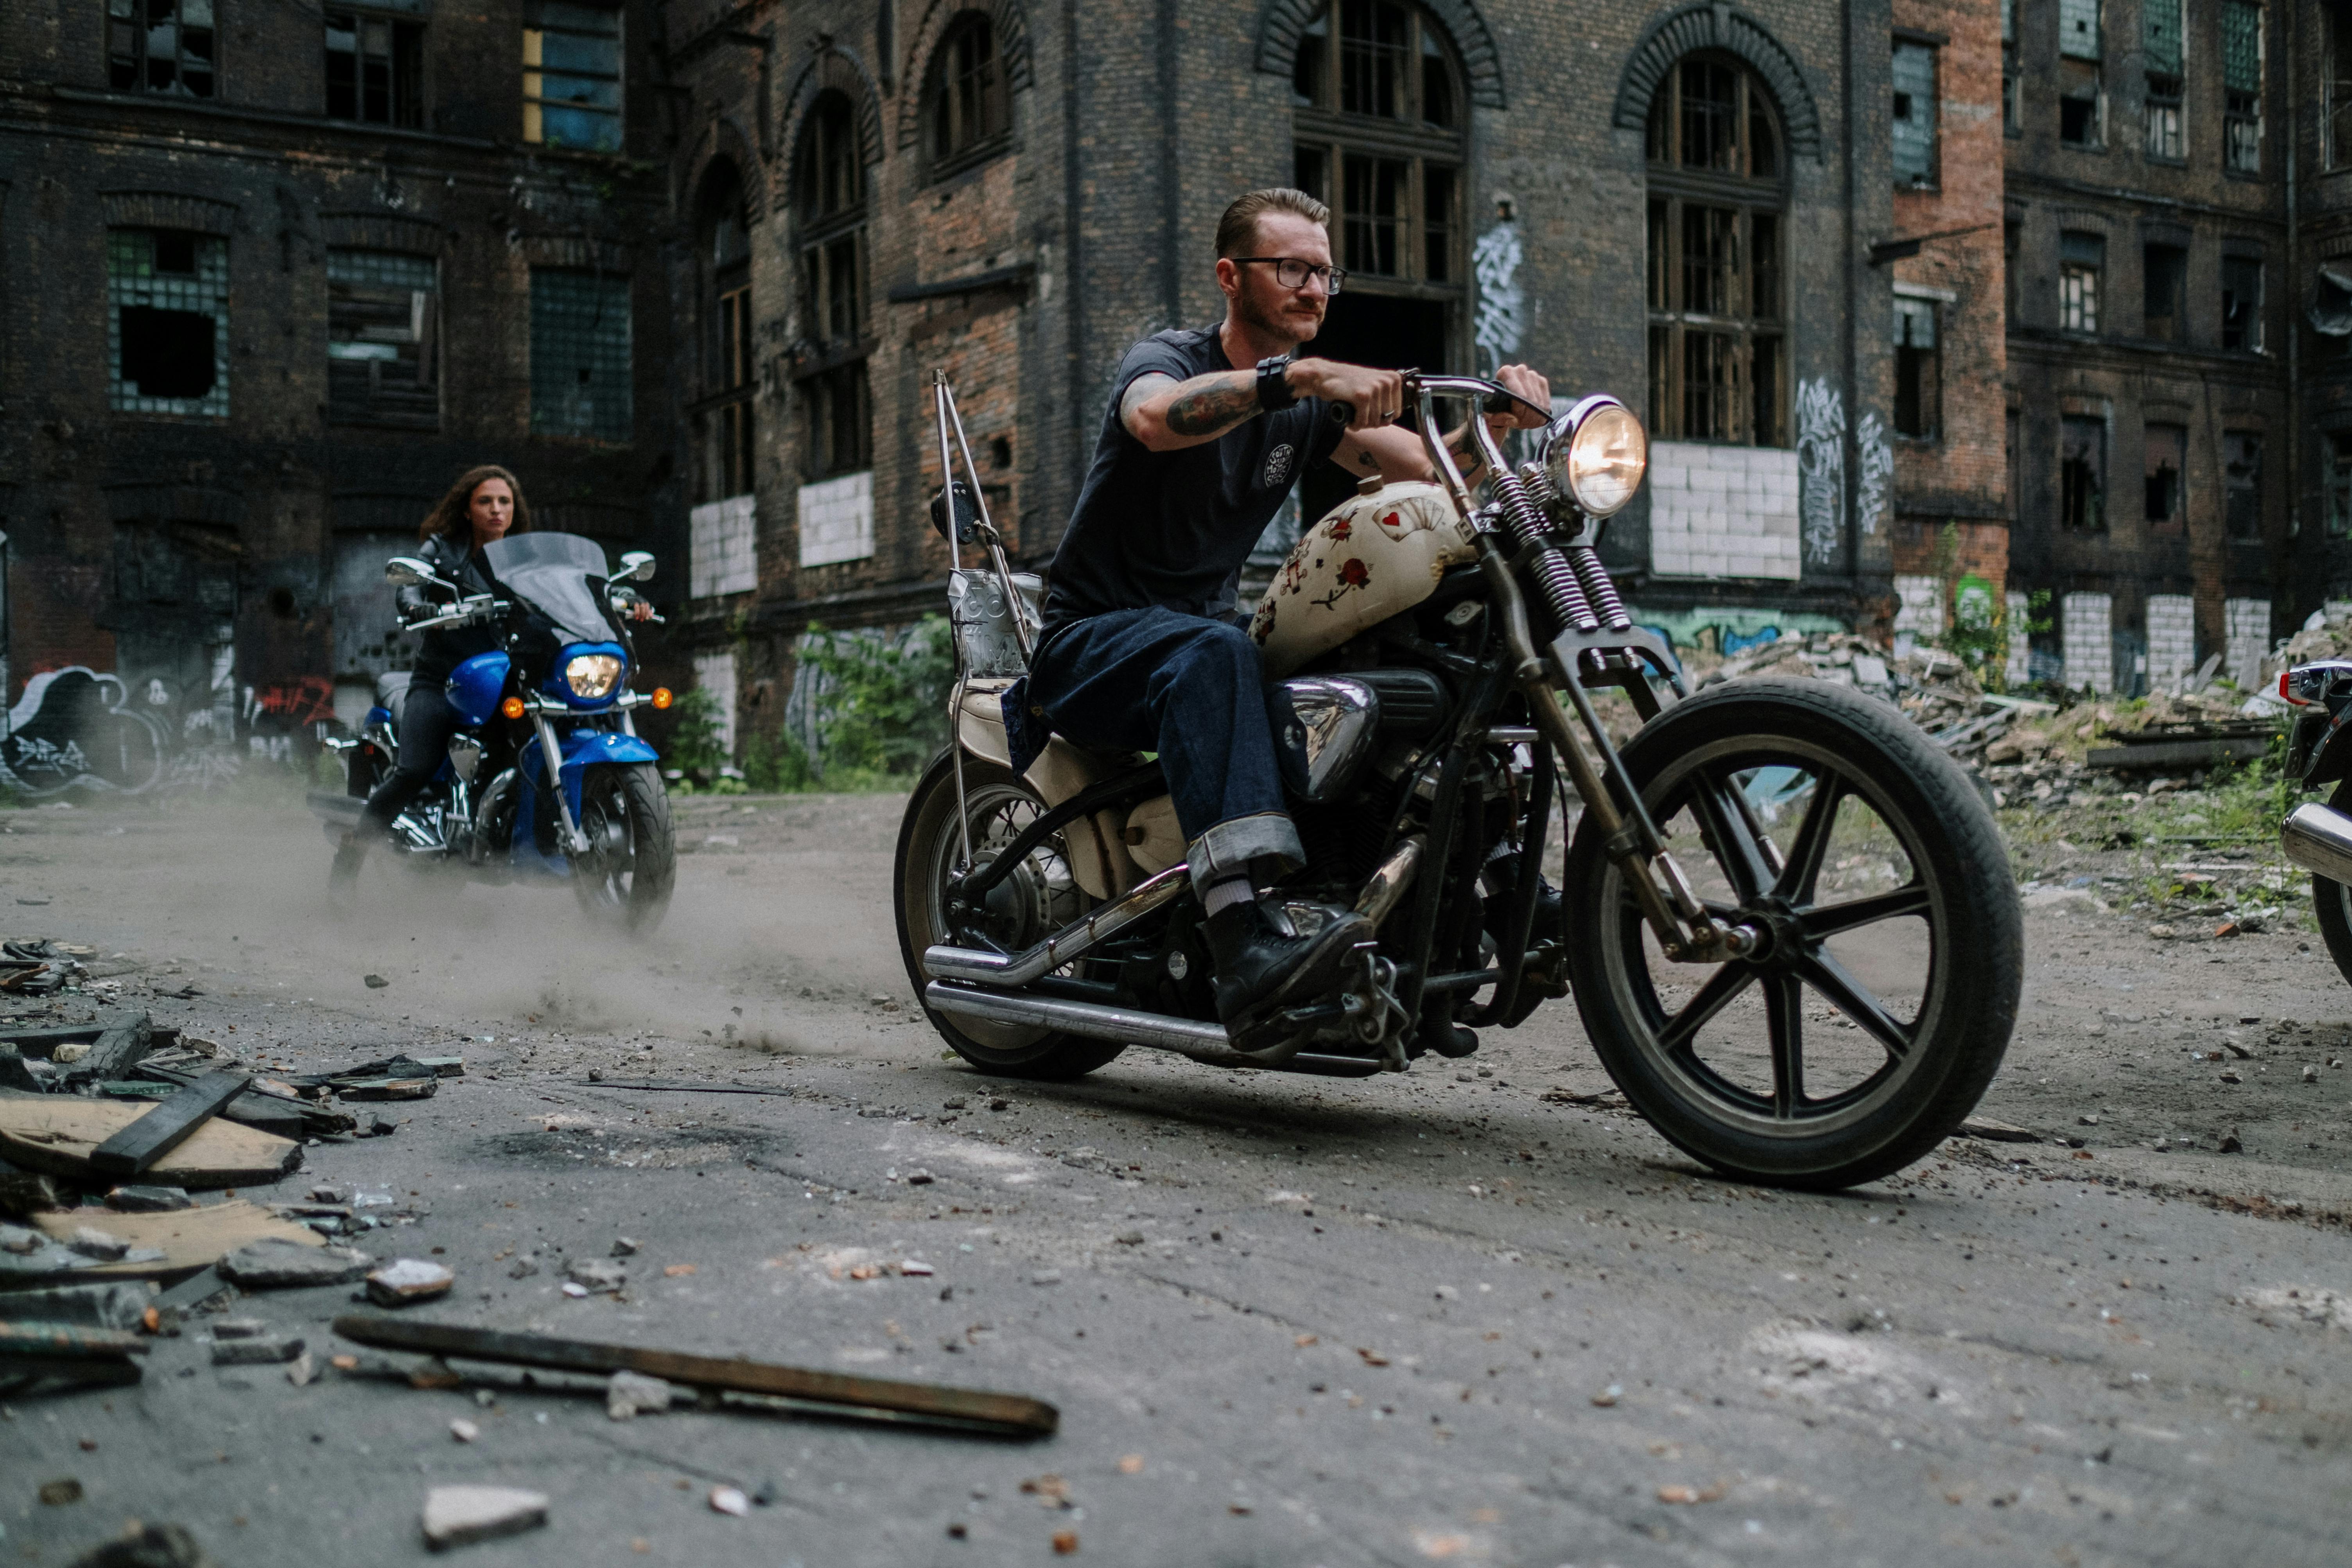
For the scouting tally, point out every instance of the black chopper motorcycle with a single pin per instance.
(1785, 918)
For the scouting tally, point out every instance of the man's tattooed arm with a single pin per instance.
(1397, 453)
(1191, 412)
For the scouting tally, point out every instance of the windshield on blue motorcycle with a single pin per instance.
(551, 573)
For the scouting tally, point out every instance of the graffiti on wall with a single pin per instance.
(1821, 468)
(83, 729)
(1495, 263)
(1877, 461)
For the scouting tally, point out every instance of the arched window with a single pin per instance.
(723, 252)
(829, 181)
(1718, 284)
(965, 99)
(1379, 125)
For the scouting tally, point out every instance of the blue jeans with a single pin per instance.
(1192, 689)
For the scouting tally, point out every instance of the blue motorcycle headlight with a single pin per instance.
(591, 676)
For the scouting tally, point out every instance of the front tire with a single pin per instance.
(1036, 899)
(1890, 854)
(626, 876)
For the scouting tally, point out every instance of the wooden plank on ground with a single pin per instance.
(188, 1239)
(115, 1053)
(272, 1111)
(42, 1042)
(58, 1134)
(167, 1124)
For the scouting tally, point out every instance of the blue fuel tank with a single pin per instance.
(474, 687)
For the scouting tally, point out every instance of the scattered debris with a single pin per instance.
(57, 1493)
(628, 1395)
(284, 1263)
(147, 1546)
(166, 1125)
(408, 1280)
(730, 1500)
(258, 1349)
(302, 1370)
(463, 1430)
(1993, 1131)
(34, 1353)
(455, 1516)
(375, 981)
(595, 1275)
(827, 1393)
(625, 1247)
(149, 1200)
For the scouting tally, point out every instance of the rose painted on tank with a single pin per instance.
(1353, 574)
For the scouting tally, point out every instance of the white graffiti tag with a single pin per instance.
(1495, 262)
(1876, 455)
(1820, 466)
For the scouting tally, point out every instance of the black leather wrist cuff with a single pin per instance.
(1274, 392)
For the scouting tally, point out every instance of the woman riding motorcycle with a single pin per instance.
(485, 504)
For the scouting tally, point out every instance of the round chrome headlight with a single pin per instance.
(1597, 454)
(592, 675)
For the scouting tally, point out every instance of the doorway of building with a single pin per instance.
(1387, 330)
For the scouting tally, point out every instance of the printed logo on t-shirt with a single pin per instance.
(1277, 466)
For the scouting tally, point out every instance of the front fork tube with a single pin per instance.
(1683, 927)
(575, 842)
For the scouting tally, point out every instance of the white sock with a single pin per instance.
(1227, 891)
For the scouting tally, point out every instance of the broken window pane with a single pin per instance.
(2080, 105)
(2168, 461)
(2082, 262)
(2164, 269)
(1918, 368)
(168, 321)
(579, 382)
(1912, 126)
(2241, 477)
(161, 45)
(382, 338)
(2083, 473)
(572, 75)
(374, 69)
(2241, 304)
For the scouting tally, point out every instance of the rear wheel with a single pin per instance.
(631, 864)
(1038, 898)
(1878, 1005)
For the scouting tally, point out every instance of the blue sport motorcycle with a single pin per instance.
(546, 776)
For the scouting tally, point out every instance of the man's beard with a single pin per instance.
(1276, 323)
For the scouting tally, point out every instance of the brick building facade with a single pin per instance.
(272, 278)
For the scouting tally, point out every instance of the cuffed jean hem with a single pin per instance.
(1230, 846)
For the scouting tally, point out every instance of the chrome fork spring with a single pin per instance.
(1598, 586)
(1561, 590)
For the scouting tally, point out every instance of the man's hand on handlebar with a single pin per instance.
(1530, 385)
(1376, 396)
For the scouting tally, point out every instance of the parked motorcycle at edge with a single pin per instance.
(547, 776)
(1787, 919)
(2315, 836)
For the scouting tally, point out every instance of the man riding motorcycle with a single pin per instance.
(1206, 432)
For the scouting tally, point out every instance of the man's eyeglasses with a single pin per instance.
(1291, 273)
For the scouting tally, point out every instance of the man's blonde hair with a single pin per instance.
(1237, 230)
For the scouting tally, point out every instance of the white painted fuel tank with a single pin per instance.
(1377, 556)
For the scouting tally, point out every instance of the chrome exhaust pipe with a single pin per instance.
(2319, 839)
(1205, 1043)
(1063, 945)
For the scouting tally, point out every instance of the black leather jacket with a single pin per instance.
(445, 649)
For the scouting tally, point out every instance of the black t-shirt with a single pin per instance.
(1173, 528)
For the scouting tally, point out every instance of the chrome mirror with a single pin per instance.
(407, 572)
(636, 565)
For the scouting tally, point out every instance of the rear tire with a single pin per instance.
(630, 866)
(2331, 901)
(929, 846)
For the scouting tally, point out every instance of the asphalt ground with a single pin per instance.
(1478, 1314)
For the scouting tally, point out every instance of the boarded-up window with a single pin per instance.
(382, 338)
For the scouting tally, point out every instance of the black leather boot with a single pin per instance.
(1262, 968)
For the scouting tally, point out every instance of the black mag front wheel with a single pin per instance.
(1036, 899)
(631, 864)
(1878, 1005)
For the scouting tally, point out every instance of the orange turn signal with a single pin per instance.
(511, 708)
(662, 699)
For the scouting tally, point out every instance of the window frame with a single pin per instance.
(1930, 177)
(2177, 317)
(1757, 400)
(2253, 340)
(1923, 365)
(206, 291)
(404, 67)
(2082, 512)
(996, 98)
(1428, 229)
(374, 408)
(124, 20)
(545, 424)
(833, 262)
(727, 369)
(2174, 521)
(2242, 110)
(2079, 307)
(535, 105)
(2235, 443)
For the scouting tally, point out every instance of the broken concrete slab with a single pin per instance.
(408, 1280)
(455, 1516)
(261, 1349)
(145, 1199)
(280, 1264)
(182, 1240)
(629, 1394)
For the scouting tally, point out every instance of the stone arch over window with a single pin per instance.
(1008, 27)
(1719, 26)
(836, 69)
(1285, 21)
(724, 141)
